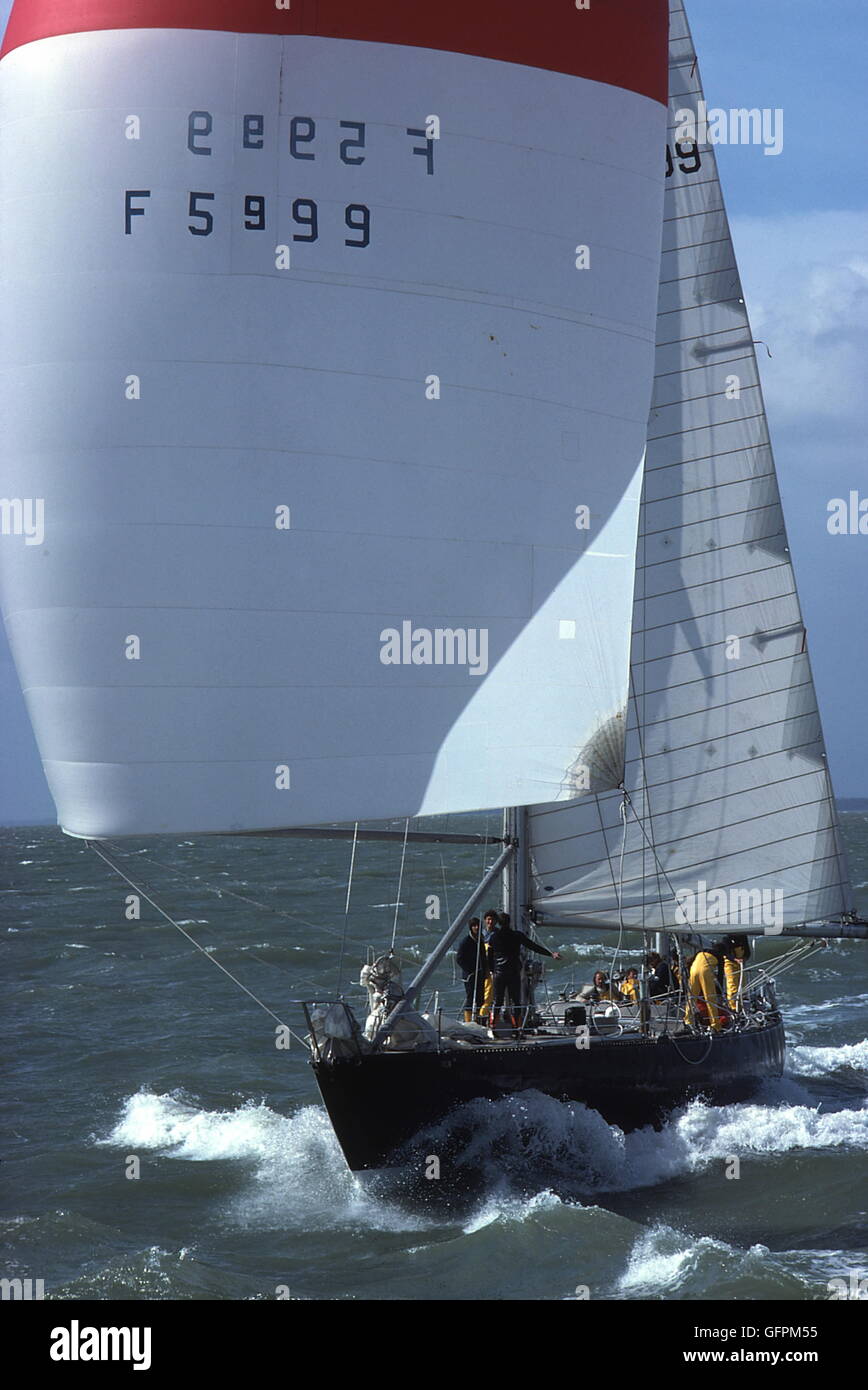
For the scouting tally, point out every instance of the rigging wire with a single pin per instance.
(646, 798)
(622, 812)
(650, 844)
(400, 882)
(485, 846)
(228, 893)
(445, 888)
(604, 837)
(193, 942)
(779, 965)
(347, 904)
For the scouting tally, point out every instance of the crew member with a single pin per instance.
(489, 922)
(659, 978)
(737, 954)
(703, 985)
(472, 958)
(505, 945)
(629, 986)
(598, 991)
(675, 970)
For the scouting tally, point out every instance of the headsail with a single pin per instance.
(726, 766)
(317, 343)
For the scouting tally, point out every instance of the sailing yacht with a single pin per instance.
(397, 469)
(724, 818)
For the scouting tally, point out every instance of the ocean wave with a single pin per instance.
(501, 1161)
(512, 1209)
(807, 1011)
(153, 1274)
(180, 1129)
(590, 951)
(821, 1061)
(299, 1179)
(668, 1264)
(535, 1137)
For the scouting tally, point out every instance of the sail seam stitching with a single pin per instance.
(686, 868)
(763, 663)
(695, 429)
(702, 458)
(693, 277)
(711, 487)
(701, 367)
(538, 814)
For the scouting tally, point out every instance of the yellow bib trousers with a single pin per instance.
(703, 985)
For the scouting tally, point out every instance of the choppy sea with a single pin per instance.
(126, 1052)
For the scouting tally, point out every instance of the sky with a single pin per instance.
(800, 224)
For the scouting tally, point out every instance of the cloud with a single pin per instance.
(805, 279)
(806, 284)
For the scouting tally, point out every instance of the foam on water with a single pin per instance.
(665, 1263)
(180, 1129)
(585, 950)
(702, 1134)
(512, 1209)
(531, 1140)
(506, 1154)
(821, 1061)
(299, 1179)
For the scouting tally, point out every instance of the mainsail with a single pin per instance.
(327, 346)
(726, 769)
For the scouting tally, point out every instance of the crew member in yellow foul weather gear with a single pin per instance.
(703, 985)
(630, 986)
(735, 960)
(489, 922)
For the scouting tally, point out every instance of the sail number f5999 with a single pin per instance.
(305, 214)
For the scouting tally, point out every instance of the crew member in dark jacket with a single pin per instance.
(472, 958)
(660, 979)
(504, 945)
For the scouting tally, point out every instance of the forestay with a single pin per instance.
(726, 765)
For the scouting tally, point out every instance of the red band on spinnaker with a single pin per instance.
(621, 42)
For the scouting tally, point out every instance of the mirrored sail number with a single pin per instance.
(302, 136)
(688, 157)
(305, 142)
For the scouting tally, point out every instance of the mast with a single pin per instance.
(522, 866)
(516, 875)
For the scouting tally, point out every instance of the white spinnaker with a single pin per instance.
(166, 389)
(726, 767)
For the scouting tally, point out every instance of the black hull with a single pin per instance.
(376, 1103)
